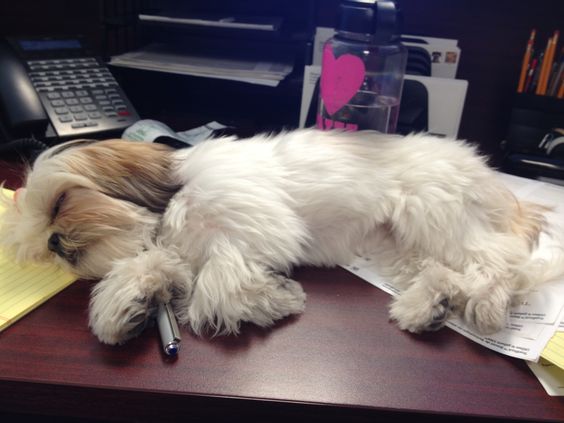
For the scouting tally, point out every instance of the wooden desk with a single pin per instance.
(342, 360)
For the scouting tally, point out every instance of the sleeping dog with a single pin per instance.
(217, 228)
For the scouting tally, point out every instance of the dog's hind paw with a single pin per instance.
(487, 312)
(416, 313)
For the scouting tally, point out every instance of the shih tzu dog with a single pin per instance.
(215, 229)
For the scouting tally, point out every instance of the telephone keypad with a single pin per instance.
(80, 93)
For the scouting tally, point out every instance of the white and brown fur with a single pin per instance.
(217, 228)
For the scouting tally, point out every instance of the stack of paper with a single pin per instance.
(535, 328)
(23, 288)
(255, 23)
(161, 58)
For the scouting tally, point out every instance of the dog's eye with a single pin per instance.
(57, 206)
(54, 243)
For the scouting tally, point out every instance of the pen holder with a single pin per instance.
(532, 117)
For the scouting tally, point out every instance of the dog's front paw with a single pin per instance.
(417, 312)
(285, 298)
(487, 311)
(118, 312)
(122, 303)
(270, 298)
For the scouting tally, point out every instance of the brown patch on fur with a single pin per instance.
(86, 208)
(528, 221)
(132, 171)
(86, 216)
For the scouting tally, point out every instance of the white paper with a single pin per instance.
(202, 133)
(164, 59)
(229, 22)
(322, 34)
(534, 321)
(539, 306)
(550, 376)
(446, 103)
(311, 75)
(149, 130)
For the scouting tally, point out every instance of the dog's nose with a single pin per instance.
(54, 242)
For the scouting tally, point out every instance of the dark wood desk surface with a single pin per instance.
(341, 360)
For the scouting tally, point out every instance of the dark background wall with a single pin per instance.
(492, 36)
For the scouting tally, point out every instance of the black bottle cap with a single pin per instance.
(379, 20)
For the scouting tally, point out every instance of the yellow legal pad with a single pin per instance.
(24, 287)
(554, 350)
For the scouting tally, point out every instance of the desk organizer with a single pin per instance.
(532, 117)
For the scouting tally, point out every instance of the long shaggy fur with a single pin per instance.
(217, 228)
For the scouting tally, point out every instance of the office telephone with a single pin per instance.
(55, 89)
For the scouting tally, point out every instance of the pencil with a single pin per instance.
(542, 65)
(526, 60)
(555, 78)
(561, 89)
(536, 73)
(530, 74)
(547, 64)
(555, 38)
(557, 70)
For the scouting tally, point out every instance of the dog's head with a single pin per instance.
(85, 204)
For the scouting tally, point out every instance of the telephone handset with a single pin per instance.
(53, 88)
(20, 104)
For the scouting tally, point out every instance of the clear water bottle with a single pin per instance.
(362, 69)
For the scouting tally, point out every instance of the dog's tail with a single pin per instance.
(544, 268)
(546, 242)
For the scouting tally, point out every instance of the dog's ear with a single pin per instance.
(133, 171)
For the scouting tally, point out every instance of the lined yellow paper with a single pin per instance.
(554, 350)
(24, 287)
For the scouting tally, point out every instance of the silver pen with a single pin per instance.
(168, 329)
